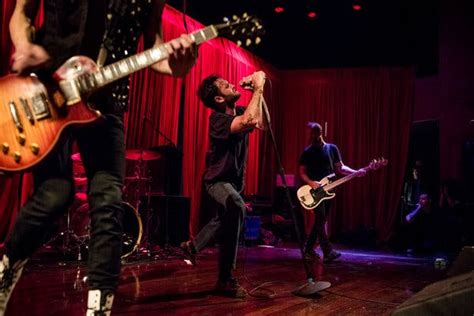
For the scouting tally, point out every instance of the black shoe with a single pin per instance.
(330, 257)
(189, 251)
(230, 288)
(311, 255)
(9, 276)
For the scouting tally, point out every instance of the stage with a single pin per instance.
(363, 283)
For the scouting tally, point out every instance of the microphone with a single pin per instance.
(246, 82)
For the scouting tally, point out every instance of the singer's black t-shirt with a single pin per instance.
(227, 154)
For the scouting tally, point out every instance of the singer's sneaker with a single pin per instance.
(230, 288)
(99, 303)
(189, 251)
(311, 255)
(331, 256)
(9, 275)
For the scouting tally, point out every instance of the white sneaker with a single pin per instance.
(98, 304)
(9, 276)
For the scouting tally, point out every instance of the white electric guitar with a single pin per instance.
(310, 198)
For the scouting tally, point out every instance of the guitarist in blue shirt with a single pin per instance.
(319, 160)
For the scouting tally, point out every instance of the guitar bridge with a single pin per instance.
(41, 106)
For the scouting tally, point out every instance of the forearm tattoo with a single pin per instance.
(248, 121)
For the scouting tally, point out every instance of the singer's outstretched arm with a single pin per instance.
(253, 115)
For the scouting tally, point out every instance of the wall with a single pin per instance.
(449, 95)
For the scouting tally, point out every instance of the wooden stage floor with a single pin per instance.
(363, 283)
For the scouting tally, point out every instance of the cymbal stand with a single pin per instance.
(70, 240)
(167, 251)
(139, 175)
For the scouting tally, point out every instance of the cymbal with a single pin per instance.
(141, 154)
(138, 178)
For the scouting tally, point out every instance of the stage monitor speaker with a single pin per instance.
(464, 262)
(168, 219)
(452, 296)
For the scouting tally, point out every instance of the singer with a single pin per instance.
(229, 128)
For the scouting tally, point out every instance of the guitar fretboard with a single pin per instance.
(92, 81)
(340, 181)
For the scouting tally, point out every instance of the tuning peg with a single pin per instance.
(257, 40)
(248, 42)
(239, 43)
(233, 32)
(243, 30)
(226, 20)
(235, 17)
(245, 15)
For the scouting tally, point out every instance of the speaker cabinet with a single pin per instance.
(165, 219)
(452, 296)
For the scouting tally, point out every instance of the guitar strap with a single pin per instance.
(326, 148)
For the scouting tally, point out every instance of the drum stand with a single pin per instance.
(144, 250)
(70, 241)
(167, 251)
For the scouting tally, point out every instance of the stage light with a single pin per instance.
(311, 11)
(278, 6)
(312, 15)
(279, 9)
(356, 6)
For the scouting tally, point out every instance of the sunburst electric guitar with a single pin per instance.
(34, 113)
(310, 198)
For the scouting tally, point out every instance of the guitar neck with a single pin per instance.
(90, 82)
(340, 181)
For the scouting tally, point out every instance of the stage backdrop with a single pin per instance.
(368, 113)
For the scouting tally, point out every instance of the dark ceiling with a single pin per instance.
(397, 32)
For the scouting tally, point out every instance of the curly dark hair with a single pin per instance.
(208, 90)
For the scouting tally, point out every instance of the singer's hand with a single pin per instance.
(258, 79)
(254, 81)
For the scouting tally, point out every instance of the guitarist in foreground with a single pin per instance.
(84, 28)
(317, 161)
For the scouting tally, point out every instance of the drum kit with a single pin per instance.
(74, 228)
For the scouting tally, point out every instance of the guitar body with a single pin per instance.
(310, 198)
(33, 115)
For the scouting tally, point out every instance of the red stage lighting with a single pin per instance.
(279, 9)
(356, 7)
(312, 15)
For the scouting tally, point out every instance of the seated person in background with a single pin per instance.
(421, 225)
(415, 184)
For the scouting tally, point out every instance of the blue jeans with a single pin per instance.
(103, 153)
(226, 225)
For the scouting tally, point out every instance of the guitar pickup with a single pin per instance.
(27, 110)
(16, 118)
(40, 105)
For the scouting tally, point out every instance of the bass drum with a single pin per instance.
(132, 226)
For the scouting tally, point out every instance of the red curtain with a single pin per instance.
(368, 111)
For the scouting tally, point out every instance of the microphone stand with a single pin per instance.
(157, 130)
(167, 251)
(310, 287)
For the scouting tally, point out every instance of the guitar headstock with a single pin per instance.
(244, 30)
(377, 163)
